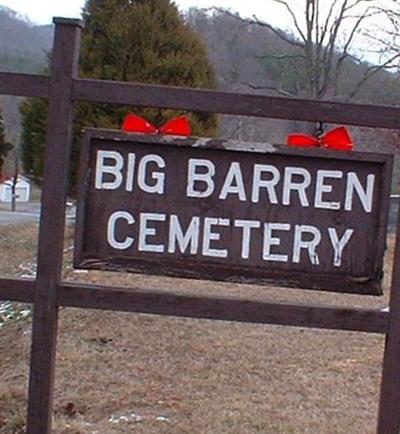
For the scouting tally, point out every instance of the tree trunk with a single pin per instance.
(14, 183)
(13, 193)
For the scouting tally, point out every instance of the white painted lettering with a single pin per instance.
(176, 235)
(269, 241)
(112, 241)
(193, 177)
(290, 185)
(159, 177)
(146, 231)
(339, 245)
(365, 195)
(310, 245)
(113, 169)
(209, 236)
(233, 183)
(270, 184)
(130, 172)
(322, 188)
(247, 226)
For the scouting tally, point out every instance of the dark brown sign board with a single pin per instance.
(233, 211)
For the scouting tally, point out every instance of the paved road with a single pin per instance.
(8, 217)
(26, 213)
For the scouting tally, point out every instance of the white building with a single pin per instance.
(22, 190)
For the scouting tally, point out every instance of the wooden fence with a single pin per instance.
(48, 292)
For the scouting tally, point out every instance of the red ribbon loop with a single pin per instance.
(177, 127)
(337, 139)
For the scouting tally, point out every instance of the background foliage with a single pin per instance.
(5, 147)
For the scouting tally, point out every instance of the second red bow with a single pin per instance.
(135, 124)
(337, 139)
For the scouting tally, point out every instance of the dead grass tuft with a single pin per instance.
(12, 412)
(18, 242)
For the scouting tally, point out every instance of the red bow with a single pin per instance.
(135, 124)
(337, 139)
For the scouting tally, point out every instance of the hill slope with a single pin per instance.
(23, 46)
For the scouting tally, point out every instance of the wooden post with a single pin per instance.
(64, 68)
(389, 403)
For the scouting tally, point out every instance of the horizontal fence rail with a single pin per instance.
(20, 290)
(236, 104)
(225, 309)
(24, 84)
(377, 116)
(217, 308)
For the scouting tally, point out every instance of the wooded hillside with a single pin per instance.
(246, 58)
(24, 47)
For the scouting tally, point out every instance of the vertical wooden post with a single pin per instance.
(389, 404)
(64, 67)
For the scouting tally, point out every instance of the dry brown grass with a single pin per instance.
(18, 247)
(169, 375)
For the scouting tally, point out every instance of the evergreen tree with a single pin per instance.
(4, 146)
(33, 122)
(126, 40)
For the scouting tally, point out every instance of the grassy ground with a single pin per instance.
(123, 373)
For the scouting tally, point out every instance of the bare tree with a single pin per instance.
(327, 35)
(387, 38)
(14, 180)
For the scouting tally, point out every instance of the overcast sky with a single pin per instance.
(42, 11)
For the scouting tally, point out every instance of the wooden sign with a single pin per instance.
(214, 209)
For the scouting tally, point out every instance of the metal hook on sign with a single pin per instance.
(318, 130)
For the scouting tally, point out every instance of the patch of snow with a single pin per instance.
(162, 418)
(133, 417)
(27, 270)
(12, 312)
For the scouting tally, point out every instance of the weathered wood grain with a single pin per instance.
(137, 94)
(389, 403)
(24, 84)
(51, 232)
(20, 290)
(224, 309)
(133, 300)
